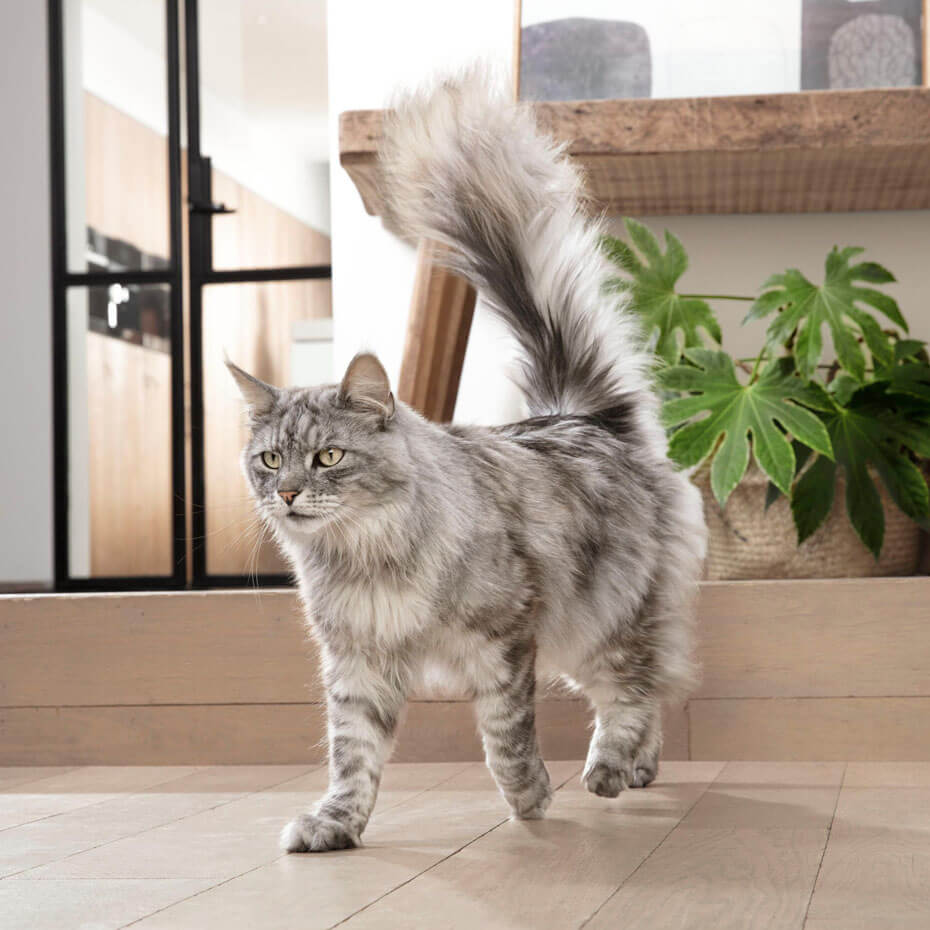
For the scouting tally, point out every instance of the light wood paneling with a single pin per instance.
(252, 324)
(845, 637)
(221, 734)
(129, 406)
(244, 649)
(755, 639)
(260, 234)
(191, 734)
(767, 153)
(126, 178)
(178, 648)
(860, 729)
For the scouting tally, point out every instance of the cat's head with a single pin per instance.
(324, 456)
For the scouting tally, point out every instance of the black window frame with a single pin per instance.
(199, 256)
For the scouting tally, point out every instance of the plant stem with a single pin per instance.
(755, 367)
(715, 297)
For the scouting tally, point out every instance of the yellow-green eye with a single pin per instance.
(272, 459)
(327, 457)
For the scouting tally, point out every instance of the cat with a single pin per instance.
(565, 546)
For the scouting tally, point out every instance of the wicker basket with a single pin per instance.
(748, 541)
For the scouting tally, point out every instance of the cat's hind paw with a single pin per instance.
(310, 833)
(606, 780)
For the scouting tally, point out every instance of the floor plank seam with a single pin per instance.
(652, 851)
(135, 705)
(263, 865)
(197, 894)
(112, 795)
(413, 878)
(19, 785)
(157, 826)
(826, 843)
(439, 862)
(809, 697)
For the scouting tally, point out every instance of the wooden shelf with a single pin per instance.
(780, 153)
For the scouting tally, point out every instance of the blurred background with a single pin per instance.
(171, 180)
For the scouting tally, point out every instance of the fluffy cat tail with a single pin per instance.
(465, 166)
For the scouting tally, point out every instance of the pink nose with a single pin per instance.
(288, 496)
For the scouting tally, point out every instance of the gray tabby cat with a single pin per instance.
(564, 546)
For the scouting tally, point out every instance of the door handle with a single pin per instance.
(197, 206)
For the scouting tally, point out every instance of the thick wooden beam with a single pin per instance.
(805, 152)
(437, 335)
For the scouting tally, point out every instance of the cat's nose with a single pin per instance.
(288, 496)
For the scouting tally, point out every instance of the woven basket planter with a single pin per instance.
(747, 541)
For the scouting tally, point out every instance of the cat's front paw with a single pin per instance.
(311, 833)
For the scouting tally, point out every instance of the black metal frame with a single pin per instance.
(63, 279)
(201, 273)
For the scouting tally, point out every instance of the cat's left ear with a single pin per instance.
(260, 397)
(365, 385)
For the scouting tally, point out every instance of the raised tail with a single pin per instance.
(463, 165)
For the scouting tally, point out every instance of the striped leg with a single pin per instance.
(624, 750)
(507, 720)
(363, 712)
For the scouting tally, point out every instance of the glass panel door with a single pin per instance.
(117, 313)
(280, 332)
(263, 126)
(259, 247)
(116, 131)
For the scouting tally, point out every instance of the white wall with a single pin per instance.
(25, 311)
(375, 47)
(735, 254)
(711, 47)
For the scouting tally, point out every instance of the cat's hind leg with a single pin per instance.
(624, 750)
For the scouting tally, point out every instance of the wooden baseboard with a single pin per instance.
(873, 729)
(793, 669)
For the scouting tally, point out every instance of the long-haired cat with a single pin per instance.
(564, 546)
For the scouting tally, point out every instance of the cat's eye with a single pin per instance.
(328, 457)
(272, 459)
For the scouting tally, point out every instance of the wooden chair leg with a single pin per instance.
(437, 335)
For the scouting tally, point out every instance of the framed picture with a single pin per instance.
(847, 44)
(602, 49)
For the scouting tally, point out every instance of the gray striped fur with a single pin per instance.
(565, 547)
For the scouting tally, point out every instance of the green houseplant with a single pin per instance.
(809, 424)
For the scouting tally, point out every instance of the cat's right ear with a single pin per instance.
(260, 397)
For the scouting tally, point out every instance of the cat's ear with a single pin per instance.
(365, 385)
(260, 397)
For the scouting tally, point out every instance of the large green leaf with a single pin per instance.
(670, 321)
(812, 497)
(910, 377)
(736, 412)
(869, 433)
(838, 302)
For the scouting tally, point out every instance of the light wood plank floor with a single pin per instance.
(823, 846)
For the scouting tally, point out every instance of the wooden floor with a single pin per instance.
(826, 846)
